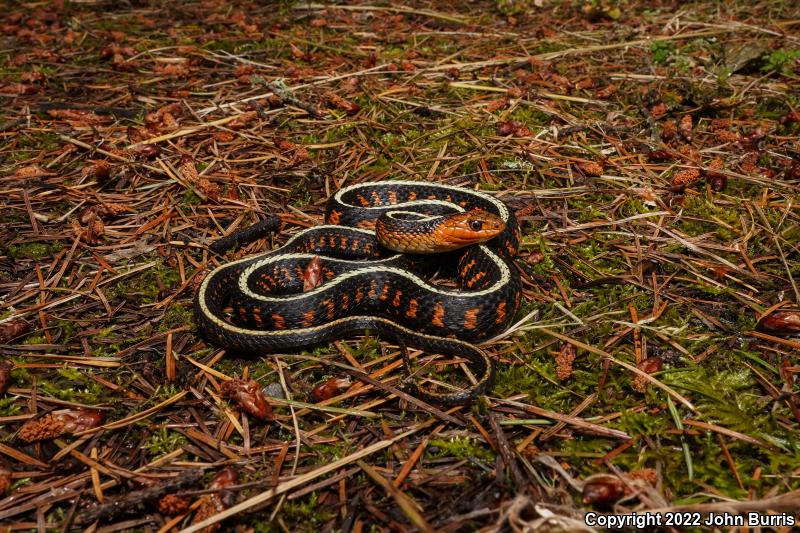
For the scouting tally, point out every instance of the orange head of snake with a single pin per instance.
(413, 233)
(469, 227)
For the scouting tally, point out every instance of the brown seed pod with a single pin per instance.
(296, 151)
(507, 128)
(224, 479)
(590, 168)
(686, 127)
(13, 329)
(651, 364)
(781, 322)
(650, 475)
(249, 397)
(564, 360)
(669, 130)
(683, 179)
(91, 230)
(658, 155)
(606, 92)
(5, 376)
(136, 135)
(345, 105)
(145, 150)
(215, 503)
(61, 422)
(99, 169)
(329, 389)
(602, 490)
(172, 505)
(658, 110)
(243, 120)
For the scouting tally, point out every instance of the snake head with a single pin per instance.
(470, 227)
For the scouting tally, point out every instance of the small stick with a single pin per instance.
(282, 92)
(115, 506)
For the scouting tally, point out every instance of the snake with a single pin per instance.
(367, 253)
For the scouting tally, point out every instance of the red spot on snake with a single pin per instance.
(477, 277)
(334, 216)
(411, 312)
(279, 322)
(471, 318)
(385, 291)
(397, 296)
(500, 312)
(438, 315)
(467, 267)
(366, 224)
(373, 289)
(330, 307)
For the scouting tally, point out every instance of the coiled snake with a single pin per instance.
(257, 305)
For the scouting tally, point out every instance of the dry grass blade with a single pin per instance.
(409, 507)
(302, 480)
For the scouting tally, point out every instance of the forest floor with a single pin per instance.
(649, 149)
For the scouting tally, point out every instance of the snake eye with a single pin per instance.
(475, 225)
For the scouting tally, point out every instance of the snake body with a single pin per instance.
(257, 304)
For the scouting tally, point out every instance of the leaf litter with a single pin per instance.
(650, 151)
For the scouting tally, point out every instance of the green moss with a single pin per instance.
(643, 423)
(461, 448)
(190, 198)
(35, 339)
(33, 250)
(148, 284)
(780, 61)
(163, 441)
(9, 406)
(660, 51)
(176, 315)
(304, 515)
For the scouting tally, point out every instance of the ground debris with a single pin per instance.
(650, 155)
